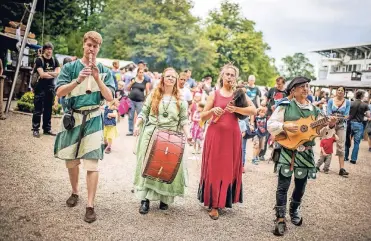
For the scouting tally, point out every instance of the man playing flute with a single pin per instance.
(83, 137)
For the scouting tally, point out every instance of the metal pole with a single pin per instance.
(20, 56)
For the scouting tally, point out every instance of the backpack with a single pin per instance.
(35, 77)
(124, 106)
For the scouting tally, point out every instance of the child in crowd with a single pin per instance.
(261, 134)
(326, 150)
(243, 128)
(110, 130)
(197, 128)
(193, 107)
(120, 90)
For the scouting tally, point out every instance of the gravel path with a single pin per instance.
(34, 187)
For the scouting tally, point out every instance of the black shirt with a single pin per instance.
(357, 110)
(49, 65)
(274, 95)
(137, 91)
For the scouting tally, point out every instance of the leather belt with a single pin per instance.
(85, 114)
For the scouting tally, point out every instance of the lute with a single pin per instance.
(308, 130)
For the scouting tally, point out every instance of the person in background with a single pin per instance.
(122, 71)
(2, 117)
(243, 128)
(142, 65)
(116, 73)
(253, 92)
(185, 93)
(358, 111)
(193, 107)
(67, 60)
(261, 131)
(139, 89)
(319, 99)
(190, 83)
(310, 96)
(273, 97)
(368, 127)
(110, 118)
(48, 68)
(197, 128)
(129, 75)
(207, 88)
(326, 145)
(339, 106)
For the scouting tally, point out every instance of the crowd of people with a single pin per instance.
(217, 122)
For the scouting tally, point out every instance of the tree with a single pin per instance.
(161, 32)
(238, 42)
(297, 65)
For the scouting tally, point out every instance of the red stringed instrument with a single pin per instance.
(309, 128)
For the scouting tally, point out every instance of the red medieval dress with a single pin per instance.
(221, 171)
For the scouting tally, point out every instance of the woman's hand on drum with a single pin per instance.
(217, 111)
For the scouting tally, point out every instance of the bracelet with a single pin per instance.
(77, 81)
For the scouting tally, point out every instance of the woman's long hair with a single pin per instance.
(222, 71)
(158, 93)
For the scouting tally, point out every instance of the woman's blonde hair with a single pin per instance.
(158, 93)
(222, 71)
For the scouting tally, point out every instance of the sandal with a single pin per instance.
(214, 214)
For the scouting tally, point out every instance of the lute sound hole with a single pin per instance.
(304, 128)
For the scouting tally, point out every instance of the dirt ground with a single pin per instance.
(34, 187)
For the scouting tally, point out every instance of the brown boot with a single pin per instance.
(214, 214)
(72, 200)
(90, 215)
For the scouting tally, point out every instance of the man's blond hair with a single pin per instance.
(95, 36)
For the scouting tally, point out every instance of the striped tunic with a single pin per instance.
(304, 165)
(66, 142)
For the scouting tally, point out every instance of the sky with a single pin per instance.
(291, 26)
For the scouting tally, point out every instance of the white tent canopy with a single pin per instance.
(106, 62)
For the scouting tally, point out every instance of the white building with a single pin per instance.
(348, 66)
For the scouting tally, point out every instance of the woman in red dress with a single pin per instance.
(221, 171)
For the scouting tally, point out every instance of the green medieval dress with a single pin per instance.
(147, 188)
(92, 145)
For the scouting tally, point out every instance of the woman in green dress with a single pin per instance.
(163, 108)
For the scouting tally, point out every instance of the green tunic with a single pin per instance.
(304, 165)
(147, 188)
(91, 146)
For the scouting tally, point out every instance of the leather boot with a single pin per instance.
(295, 214)
(280, 226)
(144, 207)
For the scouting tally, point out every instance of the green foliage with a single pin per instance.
(163, 33)
(297, 65)
(25, 103)
(238, 42)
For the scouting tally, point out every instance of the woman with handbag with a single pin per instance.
(164, 109)
(221, 171)
(340, 106)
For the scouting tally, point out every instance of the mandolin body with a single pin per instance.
(305, 133)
